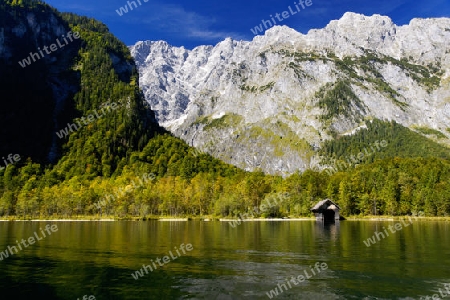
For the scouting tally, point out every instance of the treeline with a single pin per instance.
(188, 185)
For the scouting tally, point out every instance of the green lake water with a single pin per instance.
(246, 262)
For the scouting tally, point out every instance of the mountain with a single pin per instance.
(89, 145)
(65, 94)
(276, 103)
(34, 93)
(75, 128)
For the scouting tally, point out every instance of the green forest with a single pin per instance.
(98, 170)
(183, 184)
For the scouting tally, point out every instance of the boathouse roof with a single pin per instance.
(323, 205)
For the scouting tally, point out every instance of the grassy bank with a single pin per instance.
(206, 218)
(395, 218)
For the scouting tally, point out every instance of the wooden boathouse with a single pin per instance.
(326, 211)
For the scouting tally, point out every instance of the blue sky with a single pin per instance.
(191, 23)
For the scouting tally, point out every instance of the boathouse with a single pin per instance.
(326, 210)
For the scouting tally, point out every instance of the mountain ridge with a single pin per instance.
(107, 153)
(364, 63)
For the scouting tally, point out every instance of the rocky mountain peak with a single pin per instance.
(271, 103)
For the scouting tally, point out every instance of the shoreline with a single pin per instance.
(217, 219)
(270, 220)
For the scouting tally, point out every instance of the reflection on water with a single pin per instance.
(330, 229)
(246, 262)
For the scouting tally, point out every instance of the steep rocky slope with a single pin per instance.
(35, 93)
(58, 71)
(272, 102)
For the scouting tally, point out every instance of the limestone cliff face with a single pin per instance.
(271, 102)
(34, 92)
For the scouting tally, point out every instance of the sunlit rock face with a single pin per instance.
(266, 104)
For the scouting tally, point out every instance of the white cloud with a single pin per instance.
(175, 20)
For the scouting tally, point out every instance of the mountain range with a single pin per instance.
(356, 112)
(276, 102)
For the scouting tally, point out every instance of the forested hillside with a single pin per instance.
(400, 142)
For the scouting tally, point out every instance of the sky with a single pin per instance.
(191, 23)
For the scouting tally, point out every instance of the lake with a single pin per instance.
(213, 260)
